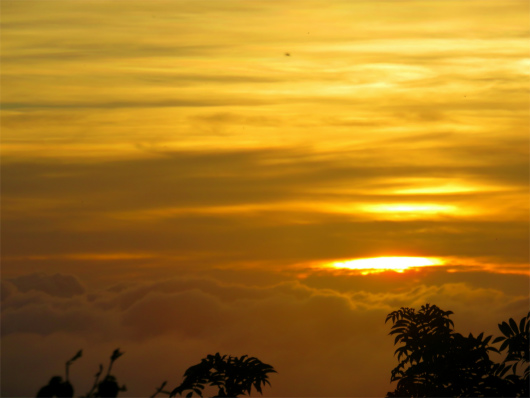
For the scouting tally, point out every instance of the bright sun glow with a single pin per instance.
(380, 264)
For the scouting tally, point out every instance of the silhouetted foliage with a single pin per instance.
(233, 376)
(56, 386)
(108, 387)
(435, 361)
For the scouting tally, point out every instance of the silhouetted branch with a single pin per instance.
(161, 390)
(69, 362)
(95, 385)
(115, 355)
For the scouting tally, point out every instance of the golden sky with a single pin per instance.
(219, 161)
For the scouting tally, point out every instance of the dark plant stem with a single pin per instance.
(161, 390)
(110, 366)
(95, 381)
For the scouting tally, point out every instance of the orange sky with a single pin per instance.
(209, 161)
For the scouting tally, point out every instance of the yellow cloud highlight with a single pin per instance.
(434, 190)
(412, 210)
(415, 208)
(380, 264)
(441, 186)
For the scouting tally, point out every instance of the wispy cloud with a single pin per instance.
(264, 205)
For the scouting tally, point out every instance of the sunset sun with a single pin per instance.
(380, 264)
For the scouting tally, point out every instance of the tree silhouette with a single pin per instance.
(435, 361)
(233, 376)
(108, 387)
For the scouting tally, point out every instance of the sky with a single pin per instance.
(181, 178)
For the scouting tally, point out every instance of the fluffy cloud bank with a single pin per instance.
(328, 340)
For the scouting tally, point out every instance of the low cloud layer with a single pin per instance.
(329, 340)
(57, 285)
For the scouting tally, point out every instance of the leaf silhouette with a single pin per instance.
(514, 326)
(233, 376)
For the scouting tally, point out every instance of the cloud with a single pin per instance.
(317, 332)
(250, 176)
(170, 103)
(268, 206)
(57, 285)
(42, 319)
(7, 289)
